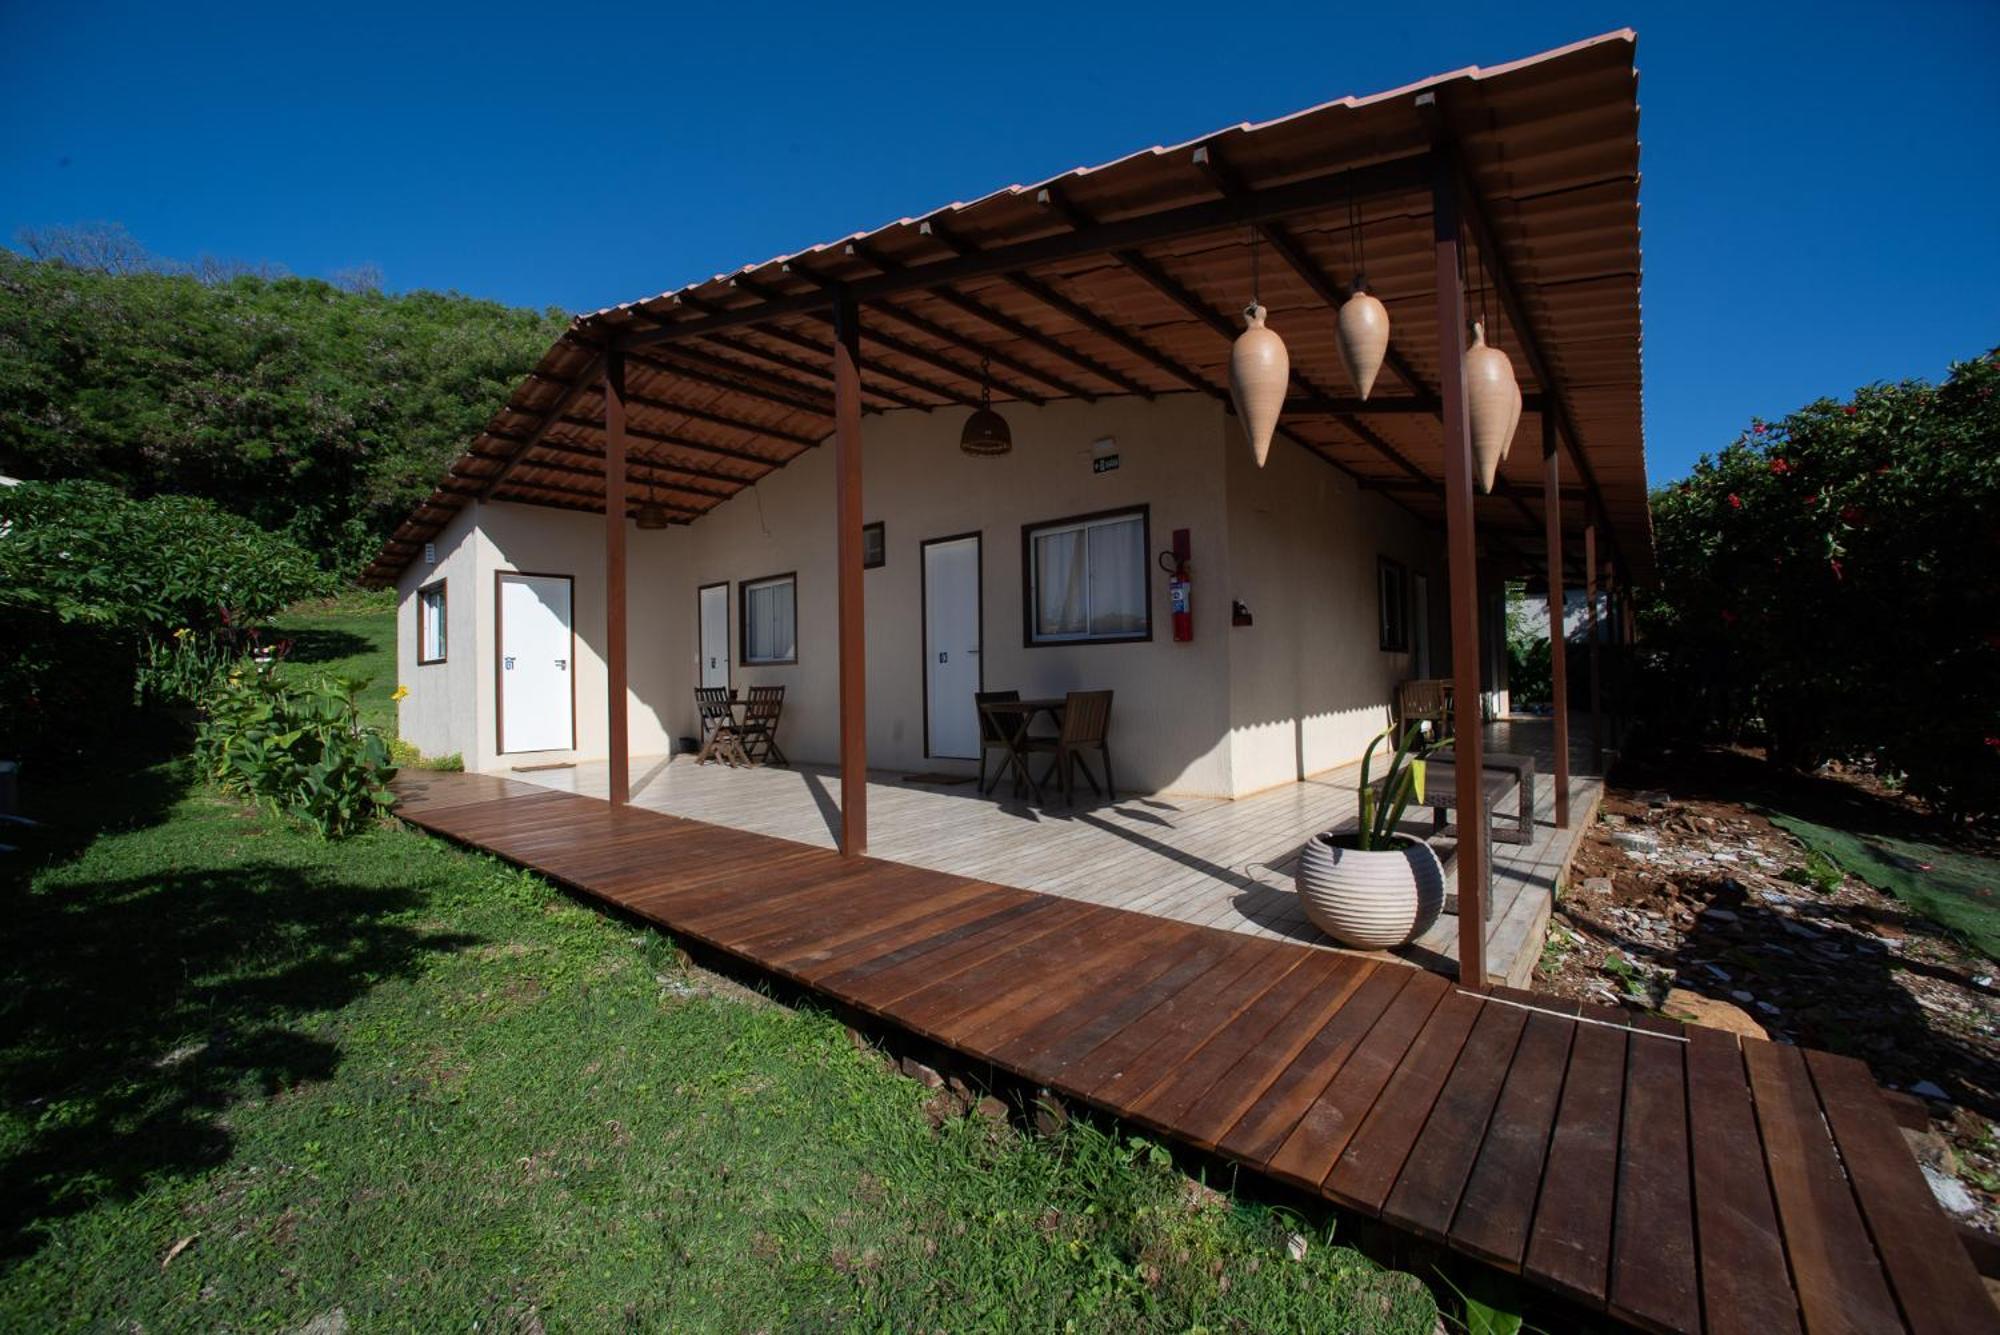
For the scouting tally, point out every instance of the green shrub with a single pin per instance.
(112, 604)
(297, 747)
(407, 756)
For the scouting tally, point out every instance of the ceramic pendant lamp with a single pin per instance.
(1492, 401)
(1259, 371)
(1364, 336)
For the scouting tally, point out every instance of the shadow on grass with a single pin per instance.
(136, 1009)
(323, 644)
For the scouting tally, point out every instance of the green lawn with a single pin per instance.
(251, 1078)
(351, 636)
(1958, 891)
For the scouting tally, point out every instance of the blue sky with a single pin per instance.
(1820, 205)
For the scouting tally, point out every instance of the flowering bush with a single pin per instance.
(299, 748)
(1827, 585)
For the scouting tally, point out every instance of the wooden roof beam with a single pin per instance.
(557, 488)
(1020, 329)
(1393, 175)
(902, 347)
(572, 470)
(585, 378)
(812, 370)
(1083, 315)
(657, 469)
(685, 443)
(877, 369)
(1177, 292)
(945, 334)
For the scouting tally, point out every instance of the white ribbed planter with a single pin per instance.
(1372, 900)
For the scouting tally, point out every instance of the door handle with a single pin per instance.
(943, 657)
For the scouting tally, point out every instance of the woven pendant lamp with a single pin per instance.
(650, 515)
(986, 432)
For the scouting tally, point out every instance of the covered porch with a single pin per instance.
(1204, 861)
(1504, 196)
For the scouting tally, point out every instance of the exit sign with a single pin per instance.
(1104, 463)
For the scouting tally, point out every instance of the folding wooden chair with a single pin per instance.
(720, 739)
(759, 729)
(993, 737)
(1086, 726)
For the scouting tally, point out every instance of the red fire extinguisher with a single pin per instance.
(1180, 585)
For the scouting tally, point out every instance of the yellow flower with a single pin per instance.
(401, 691)
(183, 633)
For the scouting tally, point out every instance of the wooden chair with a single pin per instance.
(759, 729)
(1086, 726)
(993, 737)
(719, 737)
(1425, 698)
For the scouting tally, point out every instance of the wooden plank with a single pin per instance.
(1374, 1158)
(1931, 1274)
(1570, 1246)
(1125, 1065)
(1262, 1129)
(1216, 1072)
(1840, 1283)
(1309, 1153)
(1440, 1163)
(1031, 1003)
(1744, 1286)
(1653, 1281)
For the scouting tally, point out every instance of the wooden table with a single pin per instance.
(1522, 767)
(715, 745)
(1012, 718)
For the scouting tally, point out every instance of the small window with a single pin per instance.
(1088, 580)
(430, 623)
(874, 546)
(1392, 591)
(770, 617)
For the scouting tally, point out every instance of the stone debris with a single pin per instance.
(1700, 909)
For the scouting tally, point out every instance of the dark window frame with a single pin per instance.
(1029, 639)
(1392, 605)
(743, 587)
(444, 626)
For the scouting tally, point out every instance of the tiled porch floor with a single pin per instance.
(1207, 861)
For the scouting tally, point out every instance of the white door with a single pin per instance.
(715, 635)
(1420, 626)
(536, 699)
(951, 647)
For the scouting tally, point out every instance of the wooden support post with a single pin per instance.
(1590, 599)
(1462, 556)
(615, 675)
(847, 523)
(1558, 641)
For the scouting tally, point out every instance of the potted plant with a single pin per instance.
(1372, 887)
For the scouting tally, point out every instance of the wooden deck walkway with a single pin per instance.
(1660, 1172)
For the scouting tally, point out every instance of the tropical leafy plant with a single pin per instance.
(299, 748)
(1382, 812)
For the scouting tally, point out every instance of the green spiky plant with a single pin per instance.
(1382, 812)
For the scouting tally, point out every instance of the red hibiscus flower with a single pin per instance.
(1850, 410)
(1813, 499)
(1735, 501)
(1781, 466)
(1851, 514)
(1756, 428)
(1834, 564)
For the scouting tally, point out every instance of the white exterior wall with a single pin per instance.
(1169, 717)
(1309, 684)
(438, 716)
(1234, 711)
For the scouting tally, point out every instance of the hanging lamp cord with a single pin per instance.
(1256, 288)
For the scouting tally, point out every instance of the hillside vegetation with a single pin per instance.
(319, 412)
